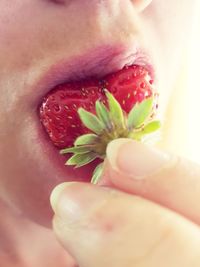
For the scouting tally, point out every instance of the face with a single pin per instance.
(44, 43)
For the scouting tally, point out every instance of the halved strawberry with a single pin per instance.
(59, 109)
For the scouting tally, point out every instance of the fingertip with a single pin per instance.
(57, 193)
(135, 159)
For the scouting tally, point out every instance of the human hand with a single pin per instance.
(105, 227)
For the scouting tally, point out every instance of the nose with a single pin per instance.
(139, 5)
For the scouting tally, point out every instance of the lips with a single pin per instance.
(98, 66)
(96, 63)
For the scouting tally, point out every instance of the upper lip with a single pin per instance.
(96, 63)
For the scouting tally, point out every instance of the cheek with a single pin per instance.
(171, 24)
(27, 175)
(23, 181)
(171, 43)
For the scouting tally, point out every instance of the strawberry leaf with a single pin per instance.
(136, 135)
(147, 129)
(107, 125)
(80, 160)
(97, 173)
(151, 127)
(90, 121)
(116, 112)
(77, 149)
(86, 139)
(103, 114)
(139, 113)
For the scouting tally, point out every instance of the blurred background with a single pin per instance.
(181, 133)
(193, 95)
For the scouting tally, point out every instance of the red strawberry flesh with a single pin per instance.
(58, 111)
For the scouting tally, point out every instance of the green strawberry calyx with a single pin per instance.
(108, 124)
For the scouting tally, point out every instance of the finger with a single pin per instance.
(169, 180)
(104, 227)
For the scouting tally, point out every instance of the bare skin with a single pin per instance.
(150, 225)
(36, 35)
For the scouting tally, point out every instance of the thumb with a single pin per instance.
(166, 179)
(103, 227)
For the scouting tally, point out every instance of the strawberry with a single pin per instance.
(58, 112)
(83, 117)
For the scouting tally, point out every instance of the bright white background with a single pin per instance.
(193, 96)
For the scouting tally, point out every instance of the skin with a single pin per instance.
(36, 35)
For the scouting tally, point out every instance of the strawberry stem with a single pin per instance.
(107, 125)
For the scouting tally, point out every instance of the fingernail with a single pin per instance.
(135, 159)
(71, 201)
(56, 194)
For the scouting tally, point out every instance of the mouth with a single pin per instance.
(86, 71)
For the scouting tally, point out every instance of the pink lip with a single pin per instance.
(97, 63)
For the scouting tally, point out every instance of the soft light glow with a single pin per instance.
(193, 95)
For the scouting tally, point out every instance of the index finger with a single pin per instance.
(168, 180)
